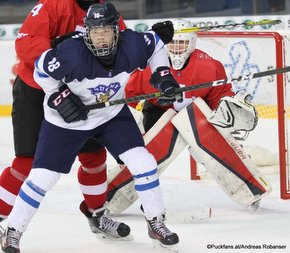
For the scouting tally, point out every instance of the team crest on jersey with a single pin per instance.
(103, 92)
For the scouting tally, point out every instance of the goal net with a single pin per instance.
(243, 53)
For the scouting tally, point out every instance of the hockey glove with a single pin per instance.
(68, 105)
(164, 30)
(163, 80)
(235, 112)
(62, 38)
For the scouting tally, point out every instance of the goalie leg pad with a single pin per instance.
(164, 143)
(223, 157)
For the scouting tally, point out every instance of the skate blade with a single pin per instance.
(112, 238)
(165, 248)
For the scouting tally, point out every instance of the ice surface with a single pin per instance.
(59, 226)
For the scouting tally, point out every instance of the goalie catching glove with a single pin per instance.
(163, 80)
(68, 105)
(236, 112)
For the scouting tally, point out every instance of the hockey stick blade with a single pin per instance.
(188, 216)
(189, 88)
(229, 26)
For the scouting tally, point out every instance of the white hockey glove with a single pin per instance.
(236, 112)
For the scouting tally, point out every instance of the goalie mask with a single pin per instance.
(182, 44)
(102, 29)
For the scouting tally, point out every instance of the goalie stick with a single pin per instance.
(229, 26)
(189, 88)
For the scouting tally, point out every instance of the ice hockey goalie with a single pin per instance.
(210, 143)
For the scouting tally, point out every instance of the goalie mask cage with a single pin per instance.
(250, 52)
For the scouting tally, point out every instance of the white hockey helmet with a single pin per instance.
(182, 44)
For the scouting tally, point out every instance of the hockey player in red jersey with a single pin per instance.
(190, 66)
(48, 20)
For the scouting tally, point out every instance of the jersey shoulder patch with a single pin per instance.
(202, 55)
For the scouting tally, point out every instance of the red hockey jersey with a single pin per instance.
(201, 68)
(46, 21)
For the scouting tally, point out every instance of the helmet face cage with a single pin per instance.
(105, 48)
(102, 29)
(182, 44)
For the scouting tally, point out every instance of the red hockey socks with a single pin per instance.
(92, 176)
(10, 182)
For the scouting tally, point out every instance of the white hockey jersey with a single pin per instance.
(73, 64)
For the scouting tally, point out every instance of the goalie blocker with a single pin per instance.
(214, 146)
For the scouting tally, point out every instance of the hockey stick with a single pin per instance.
(189, 88)
(229, 26)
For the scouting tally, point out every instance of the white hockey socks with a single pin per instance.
(31, 194)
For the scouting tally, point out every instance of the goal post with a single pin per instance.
(250, 52)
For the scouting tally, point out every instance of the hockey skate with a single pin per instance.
(104, 226)
(10, 241)
(161, 235)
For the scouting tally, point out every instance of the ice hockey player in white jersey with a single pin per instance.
(84, 70)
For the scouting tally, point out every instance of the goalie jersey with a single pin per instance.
(74, 64)
(200, 68)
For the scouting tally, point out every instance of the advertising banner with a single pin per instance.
(253, 58)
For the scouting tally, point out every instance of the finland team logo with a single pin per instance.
(103, 92)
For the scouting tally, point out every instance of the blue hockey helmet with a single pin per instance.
(102, 29)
